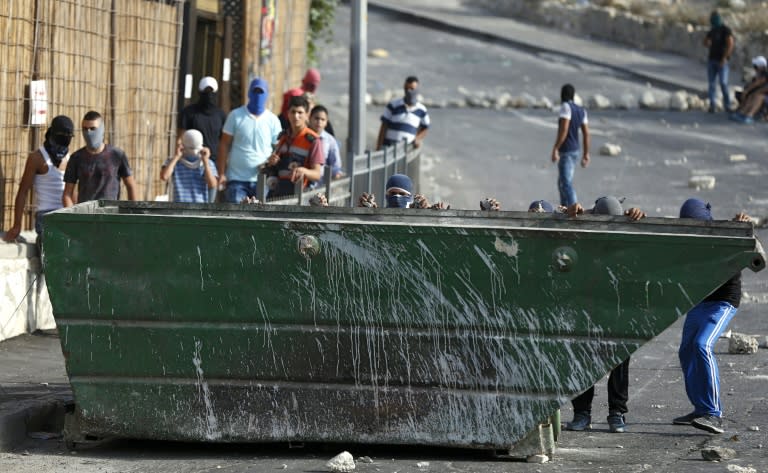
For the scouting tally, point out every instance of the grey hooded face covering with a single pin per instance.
(94, 138)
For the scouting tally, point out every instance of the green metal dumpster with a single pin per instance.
(235, 323)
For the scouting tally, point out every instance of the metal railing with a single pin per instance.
(368, 173)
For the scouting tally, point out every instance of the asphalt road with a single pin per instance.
(473, 153)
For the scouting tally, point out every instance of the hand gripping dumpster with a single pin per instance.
(235, 323)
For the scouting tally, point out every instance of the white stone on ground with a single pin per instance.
(742, 344)
(716, 454)
(609, 149)
(702, 182)
(342, 463)
(378, 53)
(735, 158)
(627, 102)
(599, 102)
(541, 458)
(647, 100)
(679, 101)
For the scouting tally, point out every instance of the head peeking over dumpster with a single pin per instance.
(399, 190)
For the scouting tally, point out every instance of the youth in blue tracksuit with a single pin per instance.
(703, 326)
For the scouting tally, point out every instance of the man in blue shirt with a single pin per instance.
(247, 140)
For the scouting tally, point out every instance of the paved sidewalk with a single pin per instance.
(666, 71)
(33, 388)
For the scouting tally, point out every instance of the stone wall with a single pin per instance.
(24, 303)
(626, 28)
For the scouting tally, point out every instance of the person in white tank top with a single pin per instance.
(44, 170)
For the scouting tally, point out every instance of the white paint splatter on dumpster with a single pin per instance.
(211, 423)
(509, 249)
(88, 286)
(200, 258)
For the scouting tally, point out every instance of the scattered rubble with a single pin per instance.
(422, 465)
(736, 158)
(753, 428)
(365, 459)
(342, 463)
(701, 182)
(742, 344)
(716, 454)
(609, 149)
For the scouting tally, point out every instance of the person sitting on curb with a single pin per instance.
(618, 380)
(703, 326)
(754, 95)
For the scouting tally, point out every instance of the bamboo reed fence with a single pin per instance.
(121, 58)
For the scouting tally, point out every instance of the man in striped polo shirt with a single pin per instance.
(404, 118)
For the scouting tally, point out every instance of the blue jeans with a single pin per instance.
(715, 70)
(566, 166)
(703, 326)
(238, 190)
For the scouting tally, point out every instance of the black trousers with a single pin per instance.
(618, 392)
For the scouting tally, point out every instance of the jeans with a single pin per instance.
(238, 190)
(566, 166)
(703, 326)
(618, 392)
(715, 70)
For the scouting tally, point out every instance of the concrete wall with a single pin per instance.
(24, 303)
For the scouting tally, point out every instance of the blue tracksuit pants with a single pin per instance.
(703, 325)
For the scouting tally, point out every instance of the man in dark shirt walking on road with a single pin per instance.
(719, 40)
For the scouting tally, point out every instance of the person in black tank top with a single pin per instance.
(720, 42)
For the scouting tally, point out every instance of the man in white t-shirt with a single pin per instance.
(565, 152)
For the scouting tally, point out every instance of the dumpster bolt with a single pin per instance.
(308, 246)
(564, 258)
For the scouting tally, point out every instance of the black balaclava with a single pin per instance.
(57, 138)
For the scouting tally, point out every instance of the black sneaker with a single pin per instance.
(616, 423)
(711, 424)
(582, 420)
(686, 419)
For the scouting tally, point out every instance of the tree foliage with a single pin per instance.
(321, 15)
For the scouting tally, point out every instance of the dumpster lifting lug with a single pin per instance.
(308, 246)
